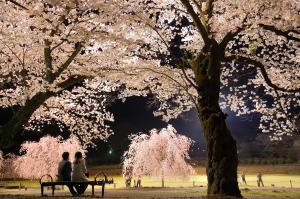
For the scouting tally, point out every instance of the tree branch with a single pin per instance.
(198, 5)
(229, 36)
(264, 73)
(282, 108)
(71, 81)
(155, 30)
(197, 20)
(281, 32)
(17, 4)
(57, 45)
(48, 62)
(209, 7)
(185, 88)
(64, 66)
(187, 78)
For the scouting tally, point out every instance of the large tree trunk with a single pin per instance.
(221, 147)
(20, 118)
(222, 156)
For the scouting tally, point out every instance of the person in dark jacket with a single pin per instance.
(243, 176)
(259, 180)
(64, 172)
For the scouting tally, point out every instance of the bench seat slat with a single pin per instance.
(75, 183)
(93, 183)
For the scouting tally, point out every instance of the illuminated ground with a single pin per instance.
(277, 185)
(270, 180)
(265, 193)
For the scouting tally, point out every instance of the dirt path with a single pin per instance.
(152, 193)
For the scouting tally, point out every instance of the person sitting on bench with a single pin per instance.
(79, 173)
(64, 172)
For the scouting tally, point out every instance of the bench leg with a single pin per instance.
(93, 190)
(103, 186)
(42, 190)
(53, 187)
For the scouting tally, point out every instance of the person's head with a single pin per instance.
(78, 156)
(65, 155)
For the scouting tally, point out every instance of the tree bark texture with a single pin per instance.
(221, 147)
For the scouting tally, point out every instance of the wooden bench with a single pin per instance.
(93, 183)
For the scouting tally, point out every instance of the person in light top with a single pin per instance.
(79, 173)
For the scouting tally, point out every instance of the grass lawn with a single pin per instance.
(273, 176)
(270, 180)
(292, 169)
(272, 193)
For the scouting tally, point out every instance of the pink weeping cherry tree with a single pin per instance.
(163, 153)
(42, 157)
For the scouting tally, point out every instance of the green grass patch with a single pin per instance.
(275, 193)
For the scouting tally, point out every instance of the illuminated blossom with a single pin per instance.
(163, 153)
(42, 157)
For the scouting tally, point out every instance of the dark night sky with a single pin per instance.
(135, 113)
(135, 116)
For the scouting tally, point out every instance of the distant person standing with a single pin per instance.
(259, 180)
(139, 181)
(127, 178)
(128, 181)
(243, 176)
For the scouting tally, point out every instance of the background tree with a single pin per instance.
(163, 153)
(242, 55)
(42, 157)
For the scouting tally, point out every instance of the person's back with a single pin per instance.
(61, 164)
(64, 170)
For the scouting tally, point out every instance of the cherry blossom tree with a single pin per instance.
(56, 45)
(238, 55)
(49, 46)
(42, 157)
(81, 110)
(163, 153)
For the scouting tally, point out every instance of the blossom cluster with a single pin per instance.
(163, 153)
(40, 158)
